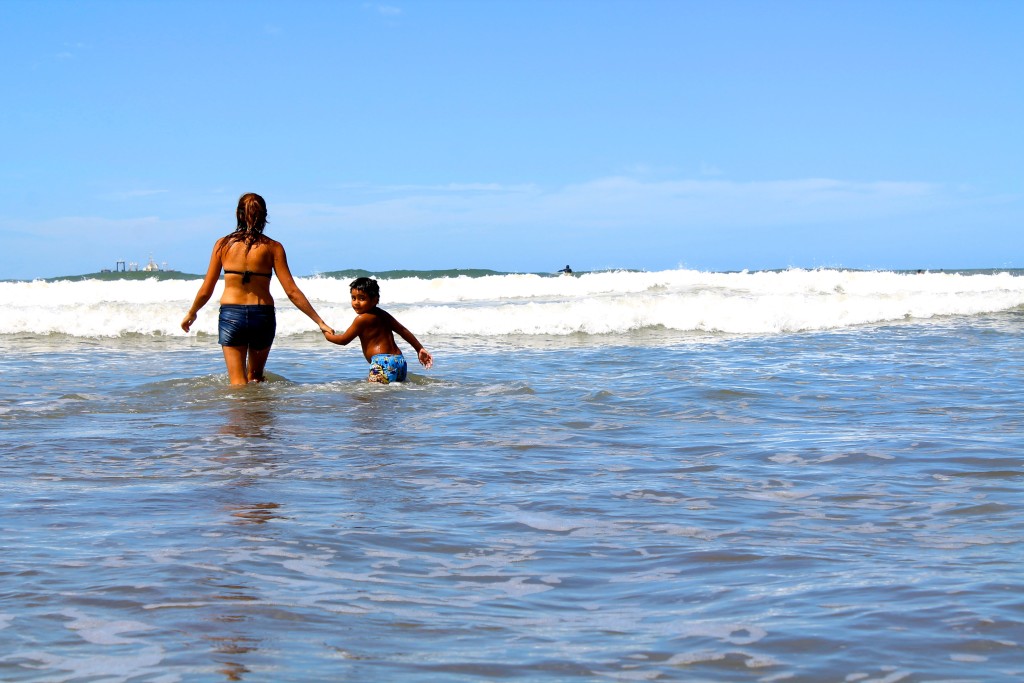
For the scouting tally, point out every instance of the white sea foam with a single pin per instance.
(593, 303)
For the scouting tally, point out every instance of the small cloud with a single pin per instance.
(484, 187)
(386, 10)
(710, 170)
(70, 51)
(130, 194)
(449, 188)
(649, 170)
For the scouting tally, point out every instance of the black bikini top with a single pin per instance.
(247, 275)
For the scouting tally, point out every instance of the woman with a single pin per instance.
(247, 322)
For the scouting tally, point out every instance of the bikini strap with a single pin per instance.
(247, 275)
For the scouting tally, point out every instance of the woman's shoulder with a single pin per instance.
(262, 242)
(221, 245)
(267, 243)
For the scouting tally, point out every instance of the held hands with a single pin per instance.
(326, 329)
(426, 360)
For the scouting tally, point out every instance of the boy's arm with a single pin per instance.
(426, 360)
(348, 335)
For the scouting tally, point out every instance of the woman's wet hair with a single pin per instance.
(251, 218)
(367, 285)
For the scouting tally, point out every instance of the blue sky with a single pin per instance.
(517, 136)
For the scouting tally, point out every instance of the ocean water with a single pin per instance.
(678, 476)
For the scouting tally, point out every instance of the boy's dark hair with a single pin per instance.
(367, 285)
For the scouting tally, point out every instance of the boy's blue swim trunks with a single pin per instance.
(386, 368)
(247, 325)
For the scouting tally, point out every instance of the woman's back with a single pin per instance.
(247, 272)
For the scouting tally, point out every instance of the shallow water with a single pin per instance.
(822, 506)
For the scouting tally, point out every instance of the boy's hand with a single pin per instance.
(425, 358)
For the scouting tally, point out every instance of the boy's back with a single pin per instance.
(376, 332)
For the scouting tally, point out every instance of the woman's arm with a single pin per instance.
(292, 290)
(205, 289)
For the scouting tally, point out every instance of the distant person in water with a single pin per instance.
(566, 271)
(376, 330)
(247, 322)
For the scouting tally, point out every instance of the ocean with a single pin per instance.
(801, 475)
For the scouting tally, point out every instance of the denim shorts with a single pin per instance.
(247, 325)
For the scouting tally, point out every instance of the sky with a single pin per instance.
(514, 135)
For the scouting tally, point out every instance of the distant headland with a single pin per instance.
(130, 270)
(111, 275)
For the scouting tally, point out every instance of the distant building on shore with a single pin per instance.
(133, 267)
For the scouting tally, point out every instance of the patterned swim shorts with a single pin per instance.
(386, 368)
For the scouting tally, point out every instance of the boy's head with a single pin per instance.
(367, 286)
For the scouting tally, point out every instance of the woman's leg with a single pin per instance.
(234, 358)
(257, 361)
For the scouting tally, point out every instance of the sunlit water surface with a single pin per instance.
(832, 506)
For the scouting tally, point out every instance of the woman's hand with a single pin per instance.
(187, 322)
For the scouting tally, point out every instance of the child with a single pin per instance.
(375, 328)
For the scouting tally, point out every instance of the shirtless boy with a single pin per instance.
(376, 329)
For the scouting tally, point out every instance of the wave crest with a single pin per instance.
(525, 304)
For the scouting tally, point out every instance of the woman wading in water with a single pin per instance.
(247, 323)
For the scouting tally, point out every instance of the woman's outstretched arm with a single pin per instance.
(292, 290)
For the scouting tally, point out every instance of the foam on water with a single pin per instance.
(524, 304)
